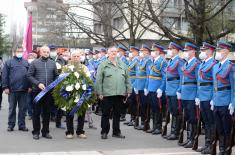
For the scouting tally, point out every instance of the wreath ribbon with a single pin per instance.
(50, 87)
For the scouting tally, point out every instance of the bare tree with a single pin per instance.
(200, 15)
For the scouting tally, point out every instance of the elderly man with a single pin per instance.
(76, 61)
(41, 73)
(15, 84)
(112, 84)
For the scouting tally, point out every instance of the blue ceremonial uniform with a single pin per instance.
(132, 67)
(204, 94)
(173, 80)
(99, 61)
(205, 80)
(189, 80)
(223, 81)
(143, 70)
(174, 75)
(156, 78)
(124, 59)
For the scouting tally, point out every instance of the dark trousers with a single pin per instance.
(156, 105)
(70, 126)
(30, 104)
(174, 106)
(223, 120)
(1, 91)
(15, 98)
(131, 102)
(42, 108)
(207, 115)
(143, 106)
(111, 103)
(190, 111)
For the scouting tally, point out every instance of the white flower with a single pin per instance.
(58, 66)
(84, 87)
(71, 67)
(69, 88)
(76, 74)
(64, 108)
(77, 86)
(76, 99)
(88, 74)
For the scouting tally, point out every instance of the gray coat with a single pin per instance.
(42, 71)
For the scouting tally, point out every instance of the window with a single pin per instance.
(98, 28)
(118, 23)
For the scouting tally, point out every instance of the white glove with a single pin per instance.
(145, 92)
(159, 93)
(212, 105)
(178, 95)
(231, 109)
(136, 91)
(197, 101)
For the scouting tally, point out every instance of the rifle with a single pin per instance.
(137, 110)
(231, 141)
(164, 130)
(214, 143)
(195, 144)
(183, 126)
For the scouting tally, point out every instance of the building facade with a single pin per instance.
(48, 21)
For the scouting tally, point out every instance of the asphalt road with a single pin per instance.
(136, 142)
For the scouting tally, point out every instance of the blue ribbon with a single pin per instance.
(50, 87)
(86, 94)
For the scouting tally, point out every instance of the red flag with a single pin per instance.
(28, 41)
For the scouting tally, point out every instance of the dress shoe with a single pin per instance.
(184, 143)
(189, 145)
(150, 131)
(36, 137)
(24, 129)
(201, 149)
(9, 129)
(141, 127)
(156, 132)
(122, 119)
(118, 136)
(206, 151)
(104, 136)
(126, 123)
(172, 137)
(131, 123)
(47, 136)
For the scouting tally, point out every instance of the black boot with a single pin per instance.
(136, 122)
(208, 141)
(188, 136)
(158, 129)
(173, 129)
(221, 145)
(193, 128)
(154, 116)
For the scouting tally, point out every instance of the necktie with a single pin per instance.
(219, 65)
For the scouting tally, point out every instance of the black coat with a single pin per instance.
(42, 71)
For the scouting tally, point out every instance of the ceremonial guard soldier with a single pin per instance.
(141, 82)
(132, 67)
(122, 52)
(155, 86)
(188, 91)
(205, 93)
(173, 78)
(223, 82)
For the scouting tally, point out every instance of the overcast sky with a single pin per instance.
(15, 13)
